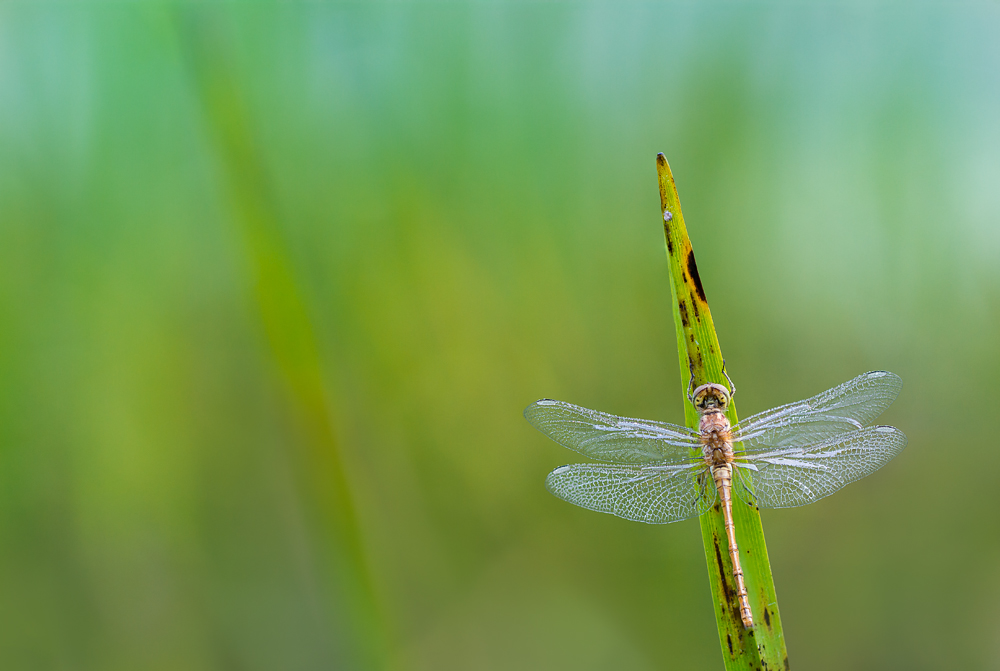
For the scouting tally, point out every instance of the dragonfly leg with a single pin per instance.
(732, 387)
(691, 380)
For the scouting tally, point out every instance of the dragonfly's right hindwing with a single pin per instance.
(651, 494)
(789, 477)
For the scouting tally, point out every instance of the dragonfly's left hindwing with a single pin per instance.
(651, 494)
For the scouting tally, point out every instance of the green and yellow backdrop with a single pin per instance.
(277, 280)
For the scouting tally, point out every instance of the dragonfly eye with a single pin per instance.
(710, 396)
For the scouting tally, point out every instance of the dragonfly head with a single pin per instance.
(709, 397)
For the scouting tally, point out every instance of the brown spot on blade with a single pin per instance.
(692, 268)
(684, 313)
(722, 571)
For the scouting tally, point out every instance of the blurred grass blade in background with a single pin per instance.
(700, 357)
(358, 629)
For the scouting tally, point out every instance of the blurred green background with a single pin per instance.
(276, 282)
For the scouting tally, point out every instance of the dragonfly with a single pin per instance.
(788, 456)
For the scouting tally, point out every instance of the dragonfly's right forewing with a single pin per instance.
(651, 494)
(846, 407)
(606, 437)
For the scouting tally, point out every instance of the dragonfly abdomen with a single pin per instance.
(723, 476)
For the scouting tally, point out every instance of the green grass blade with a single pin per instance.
(360, 630)
(763, 646)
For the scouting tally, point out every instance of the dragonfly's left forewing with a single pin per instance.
(606, 437)
(789, 477)
(651, 494)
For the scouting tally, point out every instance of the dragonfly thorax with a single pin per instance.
(713, 422)
(717, 445)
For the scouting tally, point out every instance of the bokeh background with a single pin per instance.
(276, 282)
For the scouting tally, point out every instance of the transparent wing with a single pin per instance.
(789, 477)
(651, 494)
(605, 437)
(847, 407)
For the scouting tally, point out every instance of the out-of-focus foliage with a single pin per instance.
(466, 199)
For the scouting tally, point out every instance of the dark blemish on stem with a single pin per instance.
(693, 271)
(670, 245)
(722, 569)
(729, 640)
(728, 592)
(767, 618)
(684, 313)
(718, 556)
(786, 664)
